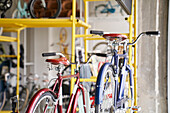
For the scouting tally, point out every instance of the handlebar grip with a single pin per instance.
(153, 33)
(48, 54)
(96, 32)
(100, 54)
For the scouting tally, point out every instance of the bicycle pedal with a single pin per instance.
(136, 108)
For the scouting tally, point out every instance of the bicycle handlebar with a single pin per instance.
(149, 33)
(96, 32)
(157, 33)
(100, 54)
(52, 54)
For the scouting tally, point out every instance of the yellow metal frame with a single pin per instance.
(132, 27)
(12, 39)
(16, 25)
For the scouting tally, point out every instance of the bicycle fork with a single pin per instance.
(74, 97)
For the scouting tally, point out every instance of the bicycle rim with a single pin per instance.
(45, 102)
(108, 94)
(51, 10)
(16, 14)
(102, 47)
(2, 99)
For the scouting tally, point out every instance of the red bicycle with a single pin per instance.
(50, 100)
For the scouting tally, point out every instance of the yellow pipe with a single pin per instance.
(7, 39)
(5, 111)
(85, 29)
(83, 35)
(9, 29)
(84, 24)
(88, 80)
(8, 56)
(135, 54)
(14, 24)
(130, 20)
(18, 66)
(73, 42)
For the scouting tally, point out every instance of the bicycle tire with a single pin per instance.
(101, 10)
(2, 99)
(40, 104)
(23, 98)
(107, 91)
(16, 14)
(52, 10)
(103, 47)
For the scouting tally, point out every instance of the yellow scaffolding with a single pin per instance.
(12, 39)
(16, 25)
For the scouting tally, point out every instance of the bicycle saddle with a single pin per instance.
(62, 60)
(113, 37)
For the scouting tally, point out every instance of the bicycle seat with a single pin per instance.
(62, 60)
(112, 37)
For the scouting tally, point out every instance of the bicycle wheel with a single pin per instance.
(46, 100)
(23, 97)
(107, 94)
(101, 10)
(38, 10)
(2, 99)
(16, 14)
(102, 47)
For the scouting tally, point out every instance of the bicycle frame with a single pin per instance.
(119, 91)
(109, 10)
(22, 11)
(58, 100)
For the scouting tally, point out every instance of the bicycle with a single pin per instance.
(8, 87)
(21, 12)
(102, 10)
(47, 100)
(115, 85)
(4, 6)
(44, 8)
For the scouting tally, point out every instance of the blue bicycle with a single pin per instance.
(103, 10)
(115, 85)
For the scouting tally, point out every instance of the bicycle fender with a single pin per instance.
(100, 83)
(35, 98)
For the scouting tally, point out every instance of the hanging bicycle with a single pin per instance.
(44, 8)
